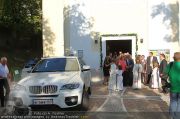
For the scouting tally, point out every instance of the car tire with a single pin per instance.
(89, 91)
(84, 102)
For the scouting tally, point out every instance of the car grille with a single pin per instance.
(48, 89)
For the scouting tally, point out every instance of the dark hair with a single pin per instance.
(119, 67)
(163, 55)
(143, 55)
(176, 56)
(151, 53)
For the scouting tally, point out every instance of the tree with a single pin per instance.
(23, 18)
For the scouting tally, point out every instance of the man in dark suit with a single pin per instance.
(162, 68)
(150, 60)
(129, 69)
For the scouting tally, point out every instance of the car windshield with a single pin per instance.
(57, 65)
(31, 63)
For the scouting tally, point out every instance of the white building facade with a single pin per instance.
(93, 28)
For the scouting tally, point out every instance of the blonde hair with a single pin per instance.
(122, 57)
(155, 64)
(138, 59)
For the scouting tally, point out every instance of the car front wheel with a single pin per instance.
(84, 102)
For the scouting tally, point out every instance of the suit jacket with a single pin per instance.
(130, 64)
(162, 66)
(149, 67)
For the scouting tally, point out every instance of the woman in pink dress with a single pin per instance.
(122, 63)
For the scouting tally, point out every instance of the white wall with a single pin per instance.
(121, 17)
(53, 33)
(106, 17)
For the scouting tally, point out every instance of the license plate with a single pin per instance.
(42, 101)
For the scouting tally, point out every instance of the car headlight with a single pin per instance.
(19, 87)
(70, 86)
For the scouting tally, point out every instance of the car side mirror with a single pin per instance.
(86, 68)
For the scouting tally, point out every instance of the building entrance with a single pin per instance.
(113, 46)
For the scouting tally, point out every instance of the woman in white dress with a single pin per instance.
(155, 79)
(137, 70)
(119, 85)
(112, 81)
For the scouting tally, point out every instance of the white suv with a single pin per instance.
(59, 81)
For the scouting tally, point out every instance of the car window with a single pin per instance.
(57, 65)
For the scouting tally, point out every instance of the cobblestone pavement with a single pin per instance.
(129, 103)
(145, 99)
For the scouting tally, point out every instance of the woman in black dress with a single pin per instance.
(106, 69)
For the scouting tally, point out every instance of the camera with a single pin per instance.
(166, 87)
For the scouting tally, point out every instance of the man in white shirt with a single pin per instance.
(4, 75)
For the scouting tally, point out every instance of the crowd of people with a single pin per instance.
(121, 71)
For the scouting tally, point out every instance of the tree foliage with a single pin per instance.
(22, 17)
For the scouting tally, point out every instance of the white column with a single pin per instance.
(179, 22)
(53, 31)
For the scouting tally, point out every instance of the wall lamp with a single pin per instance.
(141, 40)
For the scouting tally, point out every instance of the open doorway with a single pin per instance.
(113, 46)
(118, 43)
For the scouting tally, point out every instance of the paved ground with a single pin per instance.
(128, 103)
(128, 99)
